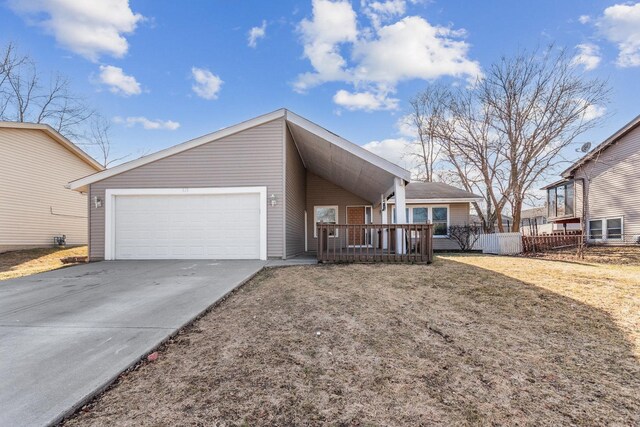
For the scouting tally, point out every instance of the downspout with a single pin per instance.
(583, 219)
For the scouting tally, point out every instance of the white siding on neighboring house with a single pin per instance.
(35, 206)
(613, 185)
(252, 157)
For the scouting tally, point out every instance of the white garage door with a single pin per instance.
(193, 226)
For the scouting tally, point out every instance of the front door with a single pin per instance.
(358, 215)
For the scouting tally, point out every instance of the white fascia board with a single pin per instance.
(432, 201)
(80, 184)
(348, 146)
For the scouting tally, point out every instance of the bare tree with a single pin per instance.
(25, 97)
(539, 103)
(427, 113)
(505, 134)
(474, 150)
(99, 140)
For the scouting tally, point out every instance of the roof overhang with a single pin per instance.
(440, 200)
(322, 152)
(555, 184)
(56, 136)
(347, 165)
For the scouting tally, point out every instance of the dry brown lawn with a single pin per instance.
(619, 255)
(469, 340)
(32, 261)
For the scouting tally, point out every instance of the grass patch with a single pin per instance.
(32, 261)
(616, 255)
(468, 340)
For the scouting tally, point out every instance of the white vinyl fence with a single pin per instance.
(499, 243)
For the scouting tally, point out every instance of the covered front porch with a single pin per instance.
(345, 190)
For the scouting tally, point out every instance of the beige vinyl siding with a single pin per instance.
(458, 215)
(253, 157)
(295, 184)
(612, 185)
(34, 171)
(321, 192)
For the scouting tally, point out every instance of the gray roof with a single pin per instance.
(436, 190)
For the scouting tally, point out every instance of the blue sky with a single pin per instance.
(168, 71)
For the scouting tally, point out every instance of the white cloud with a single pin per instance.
(380, 57)
(414, 49)
(620, 24)
(88, 28)
(594, 112)
(406, 127)
(396, 150)
(118, 82)
(382, 11)
(366, 101)
(147, 123)
(333, 23)
(584, 19)
(588, 56)
(207, 85)
(257, 33)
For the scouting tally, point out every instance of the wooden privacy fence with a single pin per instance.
(375, 243)
(532, 244)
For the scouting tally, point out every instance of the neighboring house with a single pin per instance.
(533, 221)
(251, 191)
(604, 186)
(507, 222)
(36, 163)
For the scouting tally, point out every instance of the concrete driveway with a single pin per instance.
(66, 334)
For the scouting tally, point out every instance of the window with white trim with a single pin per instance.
(325, 215)
(605, 229)
(440, 220)
(437, 215)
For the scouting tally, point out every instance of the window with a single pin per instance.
(393, 215)
(420, 216)
(606, 229)
(439, 217)
(614, 228)
(325, 215)
(595, 229)
(569, 198)
(551, 201)
(560, 200)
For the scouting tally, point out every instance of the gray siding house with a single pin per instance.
(604, 186)
(36, 163)
(254, 190)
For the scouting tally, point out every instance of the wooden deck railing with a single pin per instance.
(375, 243)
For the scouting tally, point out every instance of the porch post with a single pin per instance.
(401, 215)
(384, 219)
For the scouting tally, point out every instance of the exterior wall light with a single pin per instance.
(97, 202)
(273, 199)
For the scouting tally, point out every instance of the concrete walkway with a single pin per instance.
(66, 334)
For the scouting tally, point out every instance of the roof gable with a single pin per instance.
(57, 137)
(325, 135)
(617, 136)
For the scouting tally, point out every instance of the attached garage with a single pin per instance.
(184, 223)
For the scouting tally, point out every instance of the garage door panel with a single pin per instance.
(201, 226)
